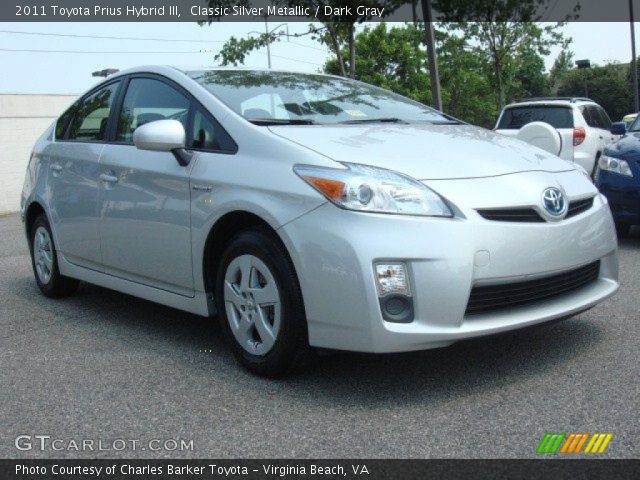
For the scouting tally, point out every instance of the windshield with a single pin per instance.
(280, 97)
(635, 125)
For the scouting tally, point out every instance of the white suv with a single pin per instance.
(584, 126)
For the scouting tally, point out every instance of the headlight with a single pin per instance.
(371, 189)
(614, 165)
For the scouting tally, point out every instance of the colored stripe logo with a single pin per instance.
(574, 443)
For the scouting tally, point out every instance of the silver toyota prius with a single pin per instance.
(310, 211)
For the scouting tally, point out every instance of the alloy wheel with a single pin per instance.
(252, 303)
(43, 254)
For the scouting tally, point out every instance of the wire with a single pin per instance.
(103, 37)
(33, 50)
(94, 52)
(293, 59)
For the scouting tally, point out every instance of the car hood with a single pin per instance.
(628, 147)
(424, 151)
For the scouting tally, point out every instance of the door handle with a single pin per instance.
(55, 167)
(108, 178)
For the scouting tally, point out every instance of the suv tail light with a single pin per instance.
(578, 136)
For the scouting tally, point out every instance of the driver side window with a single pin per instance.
(148, 100)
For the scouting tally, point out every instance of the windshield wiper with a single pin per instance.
(446, 122)
(373, 120)
(282, 121)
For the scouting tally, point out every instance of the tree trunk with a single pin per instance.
(352, 52)
(335, 45)
(430, 43)
(500, 84)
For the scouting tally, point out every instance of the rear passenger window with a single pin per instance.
(92, 115)
(596, 117)
(148, 100)
(515, 118)
(586, 113)
(605, 121)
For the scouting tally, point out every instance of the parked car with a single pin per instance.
(583, 125)
(628, 119)
(618, 176)
(310, 211)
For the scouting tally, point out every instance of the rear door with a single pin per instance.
(73, 175)
(558, 116)
(145, 231)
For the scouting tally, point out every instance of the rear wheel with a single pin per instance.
(45, 262)
(260, 305)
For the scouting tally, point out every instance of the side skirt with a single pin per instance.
(199, 304)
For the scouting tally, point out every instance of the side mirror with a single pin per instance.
(618, 128)
(163, 136)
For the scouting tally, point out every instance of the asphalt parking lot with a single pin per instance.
(105, 366)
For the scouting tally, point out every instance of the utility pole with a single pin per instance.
(267, 34)
(266, 31)
(434, 75)
(634, 66)
(584, 65)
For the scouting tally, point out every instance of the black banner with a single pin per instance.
(326, 469)
(313, 10)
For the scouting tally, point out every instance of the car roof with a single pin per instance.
(170, 70)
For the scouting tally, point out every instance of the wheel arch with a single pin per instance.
(222, 231)
(34, 209)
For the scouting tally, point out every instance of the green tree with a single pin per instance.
(501, 43)
(467, 92)
(390, 58)
(562, 65)
(608, 85)
(529, 79)
(337, 31)
(394, 58)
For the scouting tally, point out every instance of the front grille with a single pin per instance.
(578, 206)
(529, 214)
(511, 215)
(488, 298)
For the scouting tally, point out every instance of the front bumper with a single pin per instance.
(623, 194)
(334, 251)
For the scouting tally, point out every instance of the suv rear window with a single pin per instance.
(514, 118)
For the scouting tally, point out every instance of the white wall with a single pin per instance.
(23, 118)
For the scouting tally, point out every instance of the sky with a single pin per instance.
(180, 44)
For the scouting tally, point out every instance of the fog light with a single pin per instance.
(394, 292)
(392, 278)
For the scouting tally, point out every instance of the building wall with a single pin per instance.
(23, 118)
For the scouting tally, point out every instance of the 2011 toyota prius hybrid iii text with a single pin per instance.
(310, 211)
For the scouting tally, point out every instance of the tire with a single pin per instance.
(44, 261)
(260, 305)
(622, 229)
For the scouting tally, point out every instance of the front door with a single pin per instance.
(145, 231)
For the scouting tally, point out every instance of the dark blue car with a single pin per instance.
(618, 176)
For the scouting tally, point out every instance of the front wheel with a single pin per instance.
(45, 262)
(260, 305)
